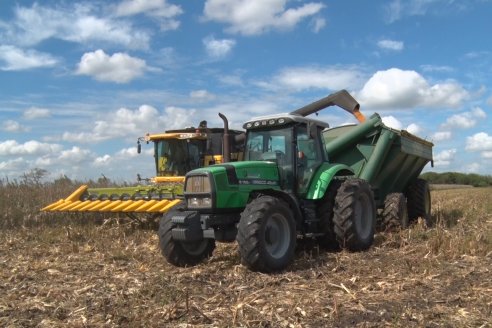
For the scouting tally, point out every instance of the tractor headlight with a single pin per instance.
(198, 191)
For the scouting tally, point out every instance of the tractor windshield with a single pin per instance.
(175, 157)
(274, 146)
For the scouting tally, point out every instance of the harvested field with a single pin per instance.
(77, 272)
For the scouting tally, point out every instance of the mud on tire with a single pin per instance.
(266, 234)
(355, 215)
(180, 253)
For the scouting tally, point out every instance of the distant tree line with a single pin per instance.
(470, 179)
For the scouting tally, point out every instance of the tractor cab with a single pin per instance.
(291, 141)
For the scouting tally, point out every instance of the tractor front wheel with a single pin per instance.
(266, 234)
(180, 253)
(355, 215)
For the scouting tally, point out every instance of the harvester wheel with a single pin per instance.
(355, 215)
(181, 253)
(266, 234)
(419, 201)
(395, 212)
(324, 212)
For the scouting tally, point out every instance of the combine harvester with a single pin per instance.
(176, 152)
(300, 178)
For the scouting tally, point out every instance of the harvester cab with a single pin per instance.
(300, 178)
(175, 153)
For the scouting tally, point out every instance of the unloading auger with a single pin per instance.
(176, 152)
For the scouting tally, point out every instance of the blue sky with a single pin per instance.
(80, 81)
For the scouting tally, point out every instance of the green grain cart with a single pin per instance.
(300, 178)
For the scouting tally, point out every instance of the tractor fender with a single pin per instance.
(323, 178)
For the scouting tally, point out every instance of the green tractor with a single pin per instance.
(300, 178)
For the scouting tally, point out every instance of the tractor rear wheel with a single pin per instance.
(266, 234)
(355, 215)
(324, 213)
(395, 212)
(180, 253)
(419, 201)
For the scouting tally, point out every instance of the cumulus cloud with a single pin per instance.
(414, 129)
(75, 155)
(32, 147)
(396, 88)
(328, 78)
(392, 122)
(16, 59)
(75, 22)
(441, 136)
(257, 17)
(445, 157)
(391, 45)
(479, 142)
(465, 120)
(13, 126)
(218, 49)
(119, 67)
(102, 161)
(125, 122)
(397, 9)
(161, 9)
(35, 113)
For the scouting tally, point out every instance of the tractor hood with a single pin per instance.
(244, 173)
(232, 183)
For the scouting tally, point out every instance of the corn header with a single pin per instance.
(176, 152)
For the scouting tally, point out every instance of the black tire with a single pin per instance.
(324, 213)
(395, 212)
(180, 253)
(419, 201)
(355, 215)
(266, 234)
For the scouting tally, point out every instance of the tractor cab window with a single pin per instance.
(175, 157)
(274, 146)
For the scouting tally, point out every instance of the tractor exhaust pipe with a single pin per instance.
(342, 99)
(226, 145)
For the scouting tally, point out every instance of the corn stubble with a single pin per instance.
(58, 270)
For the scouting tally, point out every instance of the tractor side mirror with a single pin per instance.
(139, 147)
(313, 130)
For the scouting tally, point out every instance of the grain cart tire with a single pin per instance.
(395, 212)
(419, 201)
(180, 253)
(355, 215)
(324, 213)
(266, 234)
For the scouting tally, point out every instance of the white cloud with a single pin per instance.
(445, 157)
(13, 126)
(441, 136)
(465, 120)
(166, 12)
(77, 22)
(32, 147)
(119, 67)
(397, 9)
(201, 95)
(396, 88)
(218, 49)
(17, 59)
(127, 123)
(257, 17)
(473, 168)
(436, 68)
(127, 152)
(16, 164)
(479, 142)
(76, 155)
(328, 78)
(413, 129)
(35, 113)
(318, 24)
(391, 45)
(102, 161)
(392, 122)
